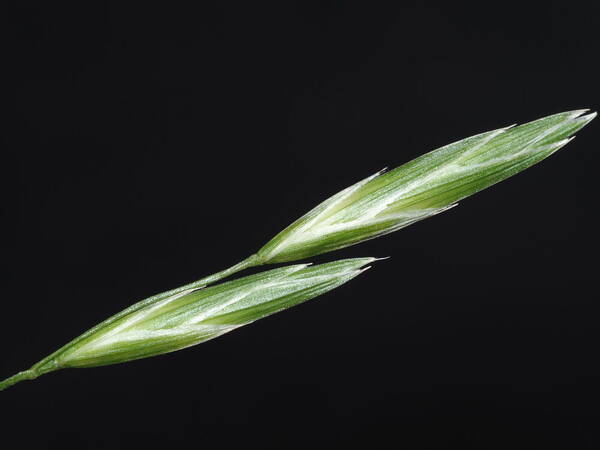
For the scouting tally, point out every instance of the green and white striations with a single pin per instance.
(193, 316)
(421, 188)
(378, 205)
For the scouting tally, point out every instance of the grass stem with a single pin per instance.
(25, 375)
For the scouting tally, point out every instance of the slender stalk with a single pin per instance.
(49, 364)
(25, 375)
(251, 261)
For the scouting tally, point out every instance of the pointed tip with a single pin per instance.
(577, 112)
(370, 259)
(382, 259)
(583, 120)
(563, 142)
(555, 146)
(363, 269)
(492, 134)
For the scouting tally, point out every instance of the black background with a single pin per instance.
(156, 144)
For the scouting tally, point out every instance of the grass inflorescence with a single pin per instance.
(378, 205)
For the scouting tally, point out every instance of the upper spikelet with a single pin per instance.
(428, 185)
